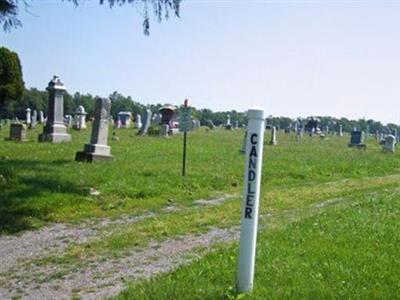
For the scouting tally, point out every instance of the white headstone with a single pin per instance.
(138, 122)
(28, 116)
(390, 143)
(41, 117)
(273, 136)
(80, 118)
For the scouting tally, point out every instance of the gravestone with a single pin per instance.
(17, 132)
(146, 124)
(168, 113)
(98, 149)
(195, 124)
(33, 120)
(228, 123)
(80, 118)
(28, 116)
(138, 122)
(390, 144)
(124, 119)
(55, 131)
(210, 124)
(41, 117)
(164, 130)
(68, 120)
(273, 136)
(340, 130)
(357, 139)
(381, 138)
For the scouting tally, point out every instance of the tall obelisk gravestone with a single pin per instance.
(98, 150)
(55, 131)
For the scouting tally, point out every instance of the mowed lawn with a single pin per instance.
(330, 224)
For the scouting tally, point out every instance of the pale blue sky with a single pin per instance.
(294, 58)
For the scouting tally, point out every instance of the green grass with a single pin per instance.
(42, 183)
(348, 251)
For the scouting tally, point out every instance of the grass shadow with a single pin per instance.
(26, 189)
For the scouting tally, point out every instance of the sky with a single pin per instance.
(293, 58)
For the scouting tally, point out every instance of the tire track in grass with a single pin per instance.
(96, 279)
(54, 239)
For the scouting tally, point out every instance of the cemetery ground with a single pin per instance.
(329, 225)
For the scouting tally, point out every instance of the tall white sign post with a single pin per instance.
(251, 197)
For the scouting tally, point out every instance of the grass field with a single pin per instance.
(329, 228)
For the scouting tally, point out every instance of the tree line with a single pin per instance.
(15, 99)
(38, 99)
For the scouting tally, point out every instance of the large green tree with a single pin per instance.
(11, 83)
(160, 8)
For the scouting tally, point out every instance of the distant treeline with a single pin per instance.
(36, 99)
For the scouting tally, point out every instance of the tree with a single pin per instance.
(11, 83)
(161, 9)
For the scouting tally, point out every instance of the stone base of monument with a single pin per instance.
(54, 137)
(94, 153)
(361, 146)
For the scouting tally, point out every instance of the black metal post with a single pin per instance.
(184, 154)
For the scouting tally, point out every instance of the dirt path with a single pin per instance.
(55, 238)
(100, 277)
(41, 282)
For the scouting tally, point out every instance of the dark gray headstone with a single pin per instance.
(357, 139)
(17, 132)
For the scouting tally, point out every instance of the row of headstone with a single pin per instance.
(388, 142)
(32, 118)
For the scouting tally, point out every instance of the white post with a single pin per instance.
(251, 197)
